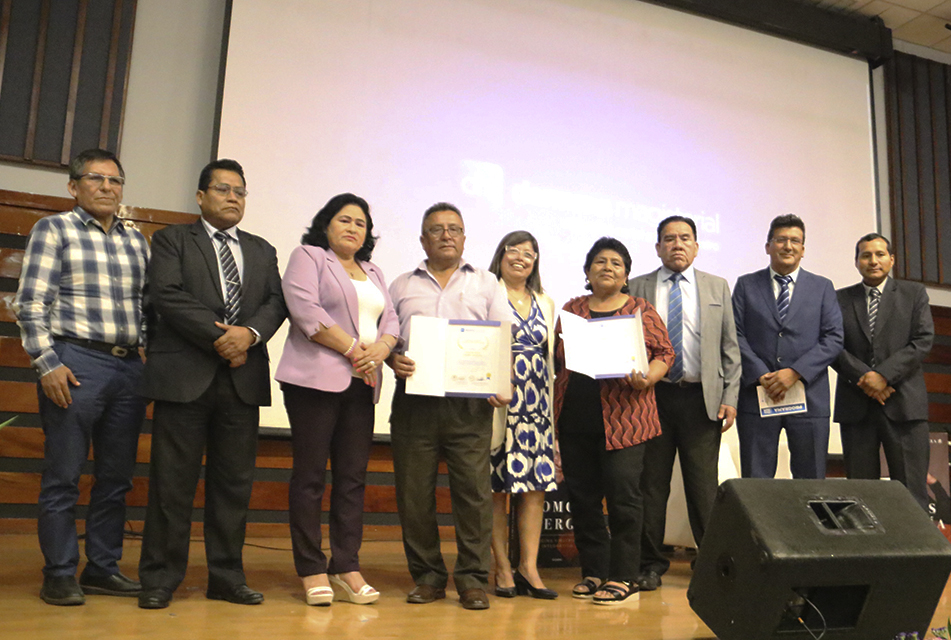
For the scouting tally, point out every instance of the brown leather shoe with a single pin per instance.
(474, 599)
(424, 594)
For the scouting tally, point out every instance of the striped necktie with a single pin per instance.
(675, 327)
(782, 302)
(874, 295)
(232, 278)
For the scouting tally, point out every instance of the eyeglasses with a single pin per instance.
(98, 179)
(224, 189)
(455, 231)
(781, 240)
(515, 252)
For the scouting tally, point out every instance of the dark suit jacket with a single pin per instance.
(719, 352)
(904, 332)
(808, 341)
(186, 300)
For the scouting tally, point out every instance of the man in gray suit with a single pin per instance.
(880, 397)
(697, 399)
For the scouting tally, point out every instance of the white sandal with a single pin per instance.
(365, 595)
(319, 596)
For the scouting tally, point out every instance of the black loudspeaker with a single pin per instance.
(789, 559)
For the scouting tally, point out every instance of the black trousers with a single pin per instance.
(687, 431)
(338, 426)
(592, 475)
(906, 445)
(224, 428)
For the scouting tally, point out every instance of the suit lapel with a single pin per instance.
(207, 250)
(349, 292)
(766, 292)
(860, 307)
(800, 295)
(650, 287)
(706, 299)
(886, 307)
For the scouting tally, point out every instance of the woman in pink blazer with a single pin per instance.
(343, 327)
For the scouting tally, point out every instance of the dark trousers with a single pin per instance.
(593, 475)
(808, 440)
(906, 445)
(687, 431)
(424, 428)
(224, 428)
(107, 411)
(338, 426)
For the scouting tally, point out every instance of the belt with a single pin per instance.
(683, 384)
(103, 347)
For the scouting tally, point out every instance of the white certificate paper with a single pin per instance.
(794, 402)
(459, 358)
(604, 347)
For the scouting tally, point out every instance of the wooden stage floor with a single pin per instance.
(660, 615)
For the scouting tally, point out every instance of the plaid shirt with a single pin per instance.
(78, 281)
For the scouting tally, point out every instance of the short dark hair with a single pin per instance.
(511, 239)
(868, 237)
(440, 206)
(784, 222)
(316, 235)
(612, 244)
(223, 164)
(666, 221)
(77, 165)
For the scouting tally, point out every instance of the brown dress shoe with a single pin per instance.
(424, 594)
(474, 599)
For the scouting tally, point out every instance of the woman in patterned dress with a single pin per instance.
(522, 436)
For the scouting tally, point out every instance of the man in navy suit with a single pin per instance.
(789, 328)
(880, 397)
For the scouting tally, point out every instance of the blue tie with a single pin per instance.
(675, 327)
(782, 302)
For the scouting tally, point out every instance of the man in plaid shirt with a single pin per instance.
(79, 308)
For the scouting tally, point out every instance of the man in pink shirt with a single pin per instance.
(460, 429)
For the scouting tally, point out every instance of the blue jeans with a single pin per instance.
(107, 411)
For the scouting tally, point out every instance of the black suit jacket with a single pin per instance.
(904, 332)
(186, 300)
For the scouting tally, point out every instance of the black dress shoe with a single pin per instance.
(155, 598)
(62, 591)
(524, 588)
(474, 599)
(114, 585)
(648, 581)
(237, 594)
(424, 594)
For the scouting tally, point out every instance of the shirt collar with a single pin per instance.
(794, 274)
(87, 219)
(688, 274)
(880, 287)
(231, 232)
(463, 266)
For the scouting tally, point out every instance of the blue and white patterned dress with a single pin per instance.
(525, 462)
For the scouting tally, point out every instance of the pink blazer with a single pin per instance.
(318, 293)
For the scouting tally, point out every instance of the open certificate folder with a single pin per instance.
(604, 347)
(459, 358)
(793, 402)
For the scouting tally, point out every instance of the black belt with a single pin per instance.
(104, 347)
(683, 384)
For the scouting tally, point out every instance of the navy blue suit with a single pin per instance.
(807, 341)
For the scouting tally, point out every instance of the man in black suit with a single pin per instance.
(880, 398)
(216, 292)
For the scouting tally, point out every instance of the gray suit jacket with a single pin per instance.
(719, 349)
(904, 332)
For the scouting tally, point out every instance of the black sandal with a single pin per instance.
(586, 589)
(620, 592)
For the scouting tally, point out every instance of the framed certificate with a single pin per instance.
(459, 358)
(610, 347)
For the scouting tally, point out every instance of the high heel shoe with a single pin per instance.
(364, 595)
(524, 588)
(505, 592)
(319, 596)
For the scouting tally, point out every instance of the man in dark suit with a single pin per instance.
(697, 399)
(880, 397)
(789, 328)
(216, 292)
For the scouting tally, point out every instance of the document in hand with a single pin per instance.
(459, 358)
(604, 347)
(793, 402)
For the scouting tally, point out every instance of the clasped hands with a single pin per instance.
(777, 383)
(404, 367)
(234, 343)
(366, 359)
(875, 386)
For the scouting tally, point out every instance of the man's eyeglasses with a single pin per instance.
(781, 240)
(515, 252)
(225, 189)
(98, 179)
(455, 231)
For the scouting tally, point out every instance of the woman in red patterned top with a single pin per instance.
(601, 426)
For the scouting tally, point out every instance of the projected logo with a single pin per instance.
(483, 180)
